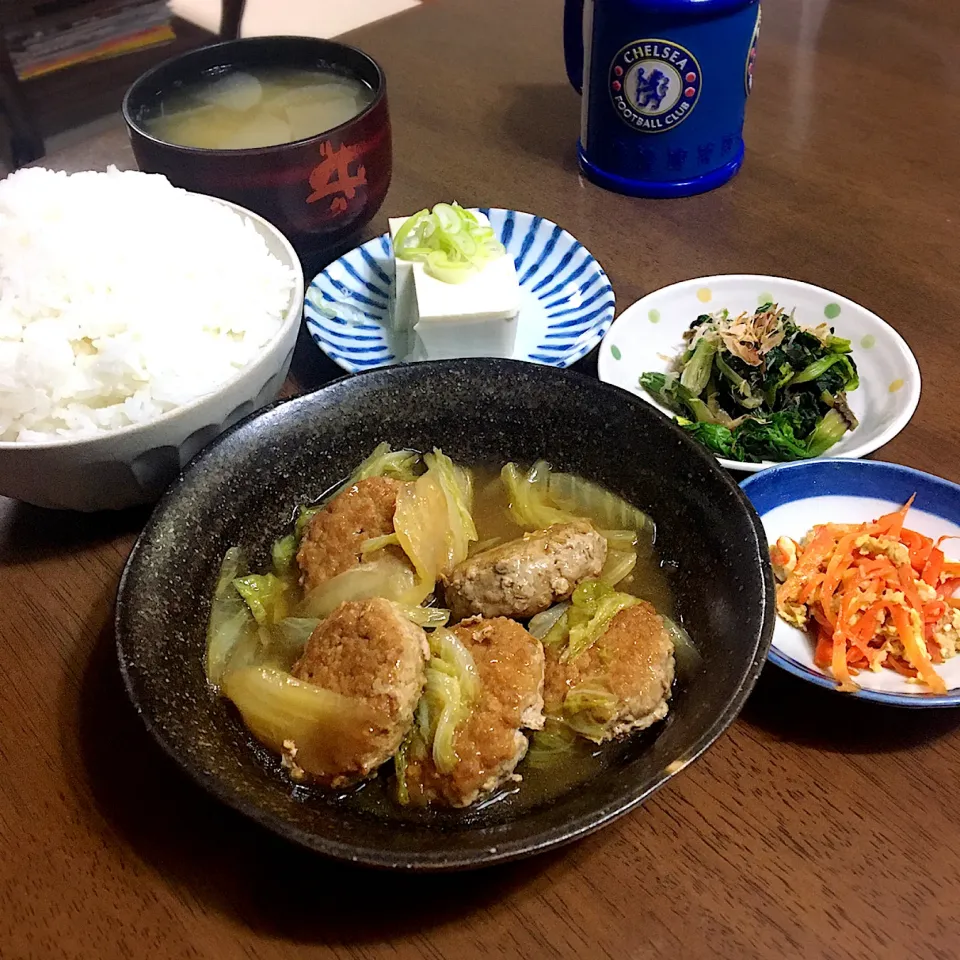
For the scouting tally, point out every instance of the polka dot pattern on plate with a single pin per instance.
(615, 350)
(649, 334)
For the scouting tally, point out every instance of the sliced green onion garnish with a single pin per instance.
(448, 218)
(411, 229)
(442, 266)
(450, 242)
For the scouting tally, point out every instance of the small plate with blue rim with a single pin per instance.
(566, 300)
(648, 336)
(791, 498)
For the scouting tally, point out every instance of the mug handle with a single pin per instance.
(573, 42)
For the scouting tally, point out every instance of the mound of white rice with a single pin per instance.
(121, 298)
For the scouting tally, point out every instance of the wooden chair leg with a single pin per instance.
(26, 144)
(231, 15)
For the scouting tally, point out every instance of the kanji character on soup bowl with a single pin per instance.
(294, 128)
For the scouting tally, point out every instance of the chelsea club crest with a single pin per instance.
(654, 85)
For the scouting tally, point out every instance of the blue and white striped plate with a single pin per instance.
(566, 301)
(791, 498)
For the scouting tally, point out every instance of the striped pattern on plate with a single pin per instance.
(566, 300)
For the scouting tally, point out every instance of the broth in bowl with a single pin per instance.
(261, 106)
(433, 633)
(245, 492)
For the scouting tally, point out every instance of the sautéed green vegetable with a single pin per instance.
(760, 387)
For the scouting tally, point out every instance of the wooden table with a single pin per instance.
(816, 827)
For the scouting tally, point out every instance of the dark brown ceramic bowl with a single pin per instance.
(319, 191)
(244, 489)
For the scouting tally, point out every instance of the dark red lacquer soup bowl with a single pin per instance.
(319, 191)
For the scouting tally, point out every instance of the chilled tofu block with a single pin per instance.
(477, 318)
(404, 307)
(473, 319)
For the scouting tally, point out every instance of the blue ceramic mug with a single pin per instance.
(664, 86)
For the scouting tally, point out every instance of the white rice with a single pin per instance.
(122, 298)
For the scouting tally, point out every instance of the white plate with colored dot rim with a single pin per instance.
(648, 335)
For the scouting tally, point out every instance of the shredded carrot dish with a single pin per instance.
(875, 595)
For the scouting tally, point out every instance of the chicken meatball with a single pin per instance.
(370, 652)
(335, 535)
(526, 576)
(489, 743)
(632, 661)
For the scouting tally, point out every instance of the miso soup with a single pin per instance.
(260, 107)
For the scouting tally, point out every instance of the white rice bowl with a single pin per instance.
(123, 298)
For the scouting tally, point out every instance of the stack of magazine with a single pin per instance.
(63, 33)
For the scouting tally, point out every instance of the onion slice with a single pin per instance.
(451, 243)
